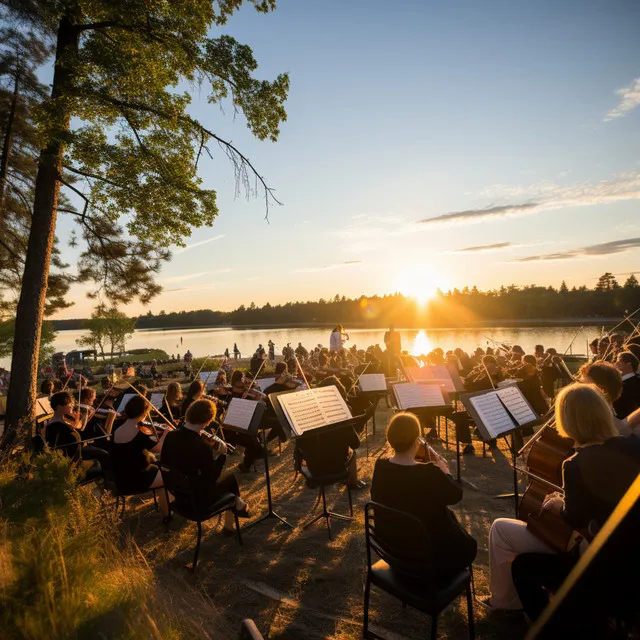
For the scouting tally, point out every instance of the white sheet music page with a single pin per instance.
(373, 382)
(156, 400)
(334, 408)
(413, 395)
(123, 403)
(264, 383)
(517, 405)
(208, 378)
(492, 413)
(240, 413)
(44, 406)
(302, 410)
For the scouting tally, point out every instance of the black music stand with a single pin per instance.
(253, 429)
(486, 436)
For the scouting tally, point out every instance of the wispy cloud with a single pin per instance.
(548, 196)
(602, 249)
(486, 247)
(629, 100)
(199, 244)
(193, 276)
(330, 267)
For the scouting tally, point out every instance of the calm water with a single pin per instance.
(204, 342)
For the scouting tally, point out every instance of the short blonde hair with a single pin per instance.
(402, 431)
(583, 413)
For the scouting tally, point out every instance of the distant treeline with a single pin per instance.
(455, 308)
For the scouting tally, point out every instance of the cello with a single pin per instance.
(547, 450)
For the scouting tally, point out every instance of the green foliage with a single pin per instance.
(108, 329)
(47, 338)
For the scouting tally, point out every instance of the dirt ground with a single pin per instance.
(298, 584)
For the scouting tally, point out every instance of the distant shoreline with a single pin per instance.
(485, 324)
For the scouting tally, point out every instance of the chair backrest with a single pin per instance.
(38, 443)
(249, 631)
(388, 530)
(177, 483)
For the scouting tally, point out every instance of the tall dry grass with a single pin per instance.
(66, 571)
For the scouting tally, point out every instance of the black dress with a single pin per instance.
(424, 491)
(328, 452)
(133, 464)
(59, 435)
(185, 451)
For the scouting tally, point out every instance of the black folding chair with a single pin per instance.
(176, 483)
(411, 580)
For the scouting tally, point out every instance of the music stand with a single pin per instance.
(252, 428)
(507, 411)
(373, 395)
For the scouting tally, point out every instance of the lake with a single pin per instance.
(204, 342)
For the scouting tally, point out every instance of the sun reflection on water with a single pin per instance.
(421, 344)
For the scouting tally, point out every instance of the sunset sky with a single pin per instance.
(428, 144)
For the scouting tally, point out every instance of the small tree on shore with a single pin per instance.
(108, 329)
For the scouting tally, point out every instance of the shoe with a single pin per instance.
(485, 603)
(358, 486)
(468, 450)
(167, 519)
(242, 513)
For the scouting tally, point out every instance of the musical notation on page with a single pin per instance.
(43, 406)
(413, 395)
(492, 414)
(517, 405)
(313, 408)
(156, 400)
(240, 413)
(265, 383)
(372, 382)
(123, 403)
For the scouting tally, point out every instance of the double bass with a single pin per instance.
(547, 450)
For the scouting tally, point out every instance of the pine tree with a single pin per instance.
(117, 119)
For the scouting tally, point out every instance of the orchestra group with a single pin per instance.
(597, 412)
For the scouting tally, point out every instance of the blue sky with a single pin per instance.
(523, 119)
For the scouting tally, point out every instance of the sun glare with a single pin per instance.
(418, 281)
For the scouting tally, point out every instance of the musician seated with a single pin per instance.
(629, 399)
(424, 490)
(331, 451)
(202, 463)
(46, 388)
(132, 452)
(594, 479)
(609, 381)
(60, 432)
(172, 401)
(195, 391)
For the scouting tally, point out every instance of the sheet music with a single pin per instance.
(373, 382)
(240, 413)
(208, 378)
(413, 395)
(492, 413)
(44, 406)
(517, 405)
(313, 408)
(156, 400)
(264, 383)
(125, 398)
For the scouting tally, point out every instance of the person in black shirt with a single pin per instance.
(195, 391)
(594, 479)
(59, 432)
(132, 452)
(425, 491)
(629, 399)
(330, 451)
(202, 463)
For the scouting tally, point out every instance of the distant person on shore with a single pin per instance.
(188, 357)
(226, 353)
(337, 338)
(272, 350)
(236, 352)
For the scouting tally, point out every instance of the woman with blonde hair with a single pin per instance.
(595, 478)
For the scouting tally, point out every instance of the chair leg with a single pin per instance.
(195, 557)
(124, 505)
(235, 515)
(472, 631)
(155, 499)
(350, 500)
(434, 628)
(117, 503)
(367, 593)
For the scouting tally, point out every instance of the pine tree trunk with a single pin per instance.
(30, 311)
(8, 138)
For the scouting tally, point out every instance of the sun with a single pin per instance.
(418, 281)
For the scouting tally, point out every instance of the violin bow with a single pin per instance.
(202, 366)
(244, 395)
(173, 426)
(574, 339)
(353, 386)
(301, 371)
